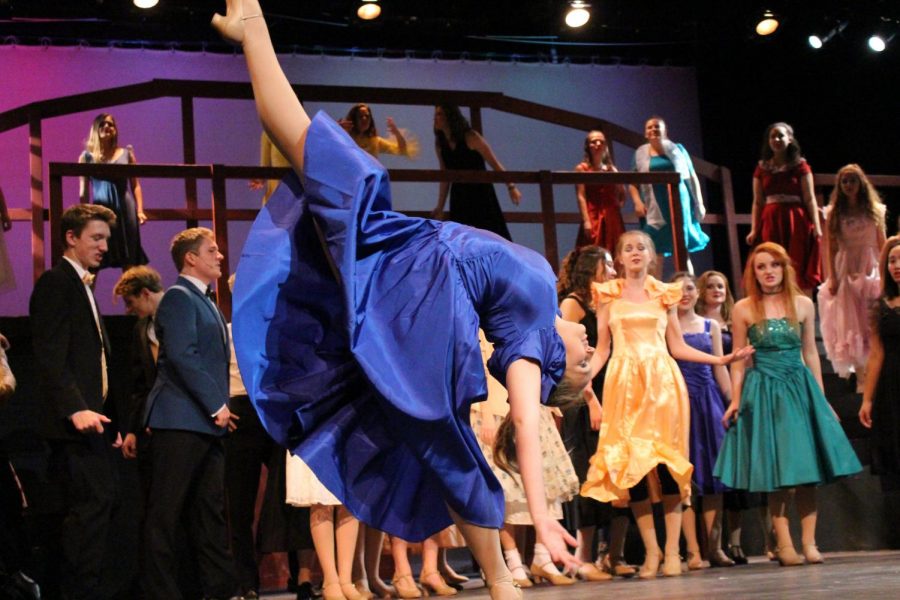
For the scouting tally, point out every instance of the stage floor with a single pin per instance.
(845, 575)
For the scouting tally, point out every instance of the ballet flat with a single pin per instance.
(672, 565)
(590, 572)
(694, 561)
(812, 554)
(540, 574)
(650, 567)
(406, 586)
(434, 582)
(788, 557)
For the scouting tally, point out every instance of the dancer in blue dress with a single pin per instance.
(783, 433)
(707, 387)
(356, 330)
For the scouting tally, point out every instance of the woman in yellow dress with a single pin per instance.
(646, 417)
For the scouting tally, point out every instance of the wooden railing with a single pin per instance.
(219, 213)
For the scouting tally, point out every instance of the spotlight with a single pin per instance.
(878, 43)
(368, 10)
(817, 42)
(146, 3)
(578, 14)
(768, 24)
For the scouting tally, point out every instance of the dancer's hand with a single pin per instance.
(865, 414)
(751, 237)
(730, 415)
(514, 194)
(487, 433)
(392, 127)
(231, 26)
(640, 210)
(557, 541)
(737, 355)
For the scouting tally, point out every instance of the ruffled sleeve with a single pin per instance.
(544, 346)
(606, 292)
(669, 294)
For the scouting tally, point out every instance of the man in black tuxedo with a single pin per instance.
(187, 412)
(71, 348)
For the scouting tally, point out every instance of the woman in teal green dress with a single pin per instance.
(782, 433)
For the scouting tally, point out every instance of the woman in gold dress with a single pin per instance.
(646, 417)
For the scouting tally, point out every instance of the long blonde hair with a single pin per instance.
(838, 203)
(727, 306)
(92, 145)
(789, 291)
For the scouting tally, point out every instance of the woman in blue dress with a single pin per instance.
(356, 330)
(783, 434)
(652, 201)
(102, 146)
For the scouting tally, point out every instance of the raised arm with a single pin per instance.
(523, 382)
(280, 111)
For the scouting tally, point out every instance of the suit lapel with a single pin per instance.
(83, 295)
(207, 303)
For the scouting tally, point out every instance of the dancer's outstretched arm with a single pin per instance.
(280, 111)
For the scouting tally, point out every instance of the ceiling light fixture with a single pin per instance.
(368, 10)
(146, 3)
(578, 14)
(878, 43)
(817, 42)
(767, 24)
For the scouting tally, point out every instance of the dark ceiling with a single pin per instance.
(629, 31)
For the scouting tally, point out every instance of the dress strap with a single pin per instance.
(585, 307)
(706, 325)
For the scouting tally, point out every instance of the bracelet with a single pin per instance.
(251, 17)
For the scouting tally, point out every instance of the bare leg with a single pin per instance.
(805, 497)
(712, 521)
(429, 577)
(485, 546)
(447, 572)
(689, 528)
(643, 514)
(672, 517)
(403, 580)
(345, 535)
(778, 508)
(374, 546)
(321, 524)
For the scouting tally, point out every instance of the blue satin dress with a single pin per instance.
(369, 376)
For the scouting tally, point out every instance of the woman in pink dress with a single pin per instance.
(854, 234)
(600, 205)
(784, 205)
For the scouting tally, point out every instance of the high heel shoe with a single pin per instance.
(788, 557)
(812, 554)
(718, 558)
(350, 592)
(436, 584)
(616, 566)
(672, 564)
(333, 591)
(541, 574)
(651, 565)
(406, 586)
(452, 578)
(505, 589)
(589, 572)
(737, 555)
(694, 561)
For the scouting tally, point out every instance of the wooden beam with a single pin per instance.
(189, 151)
(36, 194)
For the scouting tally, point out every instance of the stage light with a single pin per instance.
(578, 14)
(878, 43)
(768, 24)
(370, 9)
(146, 3)
(817, 42)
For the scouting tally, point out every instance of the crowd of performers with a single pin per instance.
(423, 383)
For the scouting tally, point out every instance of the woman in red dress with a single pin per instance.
(784, 204)
(600, 205)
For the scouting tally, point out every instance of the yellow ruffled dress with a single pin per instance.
(646, 418)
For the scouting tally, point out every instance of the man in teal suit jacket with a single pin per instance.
(187, 413)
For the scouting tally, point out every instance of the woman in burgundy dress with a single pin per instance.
(784, 204)
(600, 205)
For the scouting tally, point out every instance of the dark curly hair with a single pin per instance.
(793, 150)
(458, 124)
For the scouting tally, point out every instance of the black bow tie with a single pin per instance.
(211, 293)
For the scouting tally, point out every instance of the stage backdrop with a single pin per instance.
(228, 131)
